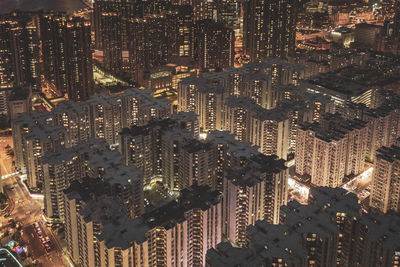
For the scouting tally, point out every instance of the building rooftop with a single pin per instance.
(389, 154)
(185, 117)
(62, 154)
(19, 93)
(384, 229)
(122, 231)
(102, 209)
(333, 83)
(195, 146)
(180, 135)
(96, 152)
(87, 189)
(200, 197)
(336, 200)
(337, 122)
(241, 102)
(277, 114)
(225, 255)
(322, 134)
(256, 111)
(233, 146)
(275, 242)
(255, 169)
(110, 164)
(285, 243)
(45, 132)
(209, 82)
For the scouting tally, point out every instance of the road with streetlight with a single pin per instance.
(27, 210)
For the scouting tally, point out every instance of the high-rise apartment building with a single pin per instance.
(37, 142)
(209, 95)
(269, 28)
(172, 143)
(107, 111)
(229, 12)
(21, 126)
(267, 129)
(249, 81)
(52, 34)
(135, 107)
(149, 47)
(138, 147)
(180, 25)
(380, 247)
(111, 42)
(328, 152)
(197, 164)
(396, 21)
(60, 169)
(6, 73)
(159, 39)
(384, 127)
(209, 98)
(357, 137)
(254, 191)
(258, 87)
(74, 116)
(153, 148)
(383, 121)
(111, 18)
(301, 108)
(19, 54)
(214, 45)
(188, 121)
(112, 29)
(19, 101)
(88, 210)
(78, 49)
(203, 10)
(205, 98)
(330, 231)
(280, 71)
(229, 152)
(237, 117)
(385, 191)
(70, 123)
(67, 54)
(177, 234)
(345, 212)
(92, 159)
(181, 233)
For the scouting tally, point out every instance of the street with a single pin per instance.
(27, 210)
(37, 250)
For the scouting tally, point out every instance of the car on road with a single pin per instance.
(47, 247)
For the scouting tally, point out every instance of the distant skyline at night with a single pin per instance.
(200, 133)
(34, 5)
